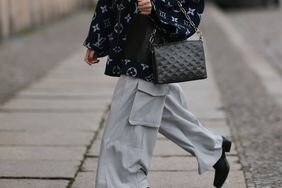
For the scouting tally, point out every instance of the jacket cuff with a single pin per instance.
(98, 51)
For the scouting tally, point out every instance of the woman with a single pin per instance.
(140, 109)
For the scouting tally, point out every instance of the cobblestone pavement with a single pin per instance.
(262, 28)
(254, 114)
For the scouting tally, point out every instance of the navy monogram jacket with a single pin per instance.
(103, 34)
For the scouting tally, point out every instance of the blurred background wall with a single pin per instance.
(22, 15)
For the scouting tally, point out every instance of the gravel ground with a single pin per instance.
(25, 59)
(262, 28)
(253, 114)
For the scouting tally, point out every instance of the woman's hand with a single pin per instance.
(90, 57)
(145, 6)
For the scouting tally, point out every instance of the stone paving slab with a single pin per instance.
(86, 79)
(205, 100)
(91, 78)
(77, 81)
(38, 169)
(34, 183)
(61, 104)
(46, 138)
(83, 96)
(85, 180)
(46, 128)
(79, 84)
(171, 179)
(216, 124)
(56, 121)
(176, 163)
(42, 129)
(162, 146)
(192, 180)
(39, 51)
(41, 153)
(83, 90)
(224, 131)
(90, 165)
(82, 87)
(94, 150)
(71, 91)
(173, 163)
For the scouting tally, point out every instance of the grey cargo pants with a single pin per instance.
(140, 110)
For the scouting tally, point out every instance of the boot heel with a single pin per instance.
(226, 145)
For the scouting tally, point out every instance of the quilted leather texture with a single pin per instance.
(179, 61)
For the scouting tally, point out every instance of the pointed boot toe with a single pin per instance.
(222, 167)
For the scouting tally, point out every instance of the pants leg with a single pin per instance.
(130, 134)
(183, 128)
(139, 110)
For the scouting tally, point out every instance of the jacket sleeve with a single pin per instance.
(100, 28)
(173, 22)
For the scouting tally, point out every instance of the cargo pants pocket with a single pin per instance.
(148, 104)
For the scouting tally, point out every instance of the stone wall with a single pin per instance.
(21, 15)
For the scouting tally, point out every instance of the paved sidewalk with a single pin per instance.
(50, 132)
(46, 129)
(28, 57)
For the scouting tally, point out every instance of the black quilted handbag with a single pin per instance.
(178, 61)
(172, 61)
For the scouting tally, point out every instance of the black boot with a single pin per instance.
(222, 166)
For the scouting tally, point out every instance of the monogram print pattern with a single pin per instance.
(107, 38)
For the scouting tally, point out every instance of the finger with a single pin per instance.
(91, 55)
(142, 2)
(145, 12)
(93, 58)
(95, 62)
(146, 9)
(146, 4)
(86, 56)
(96, 59)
